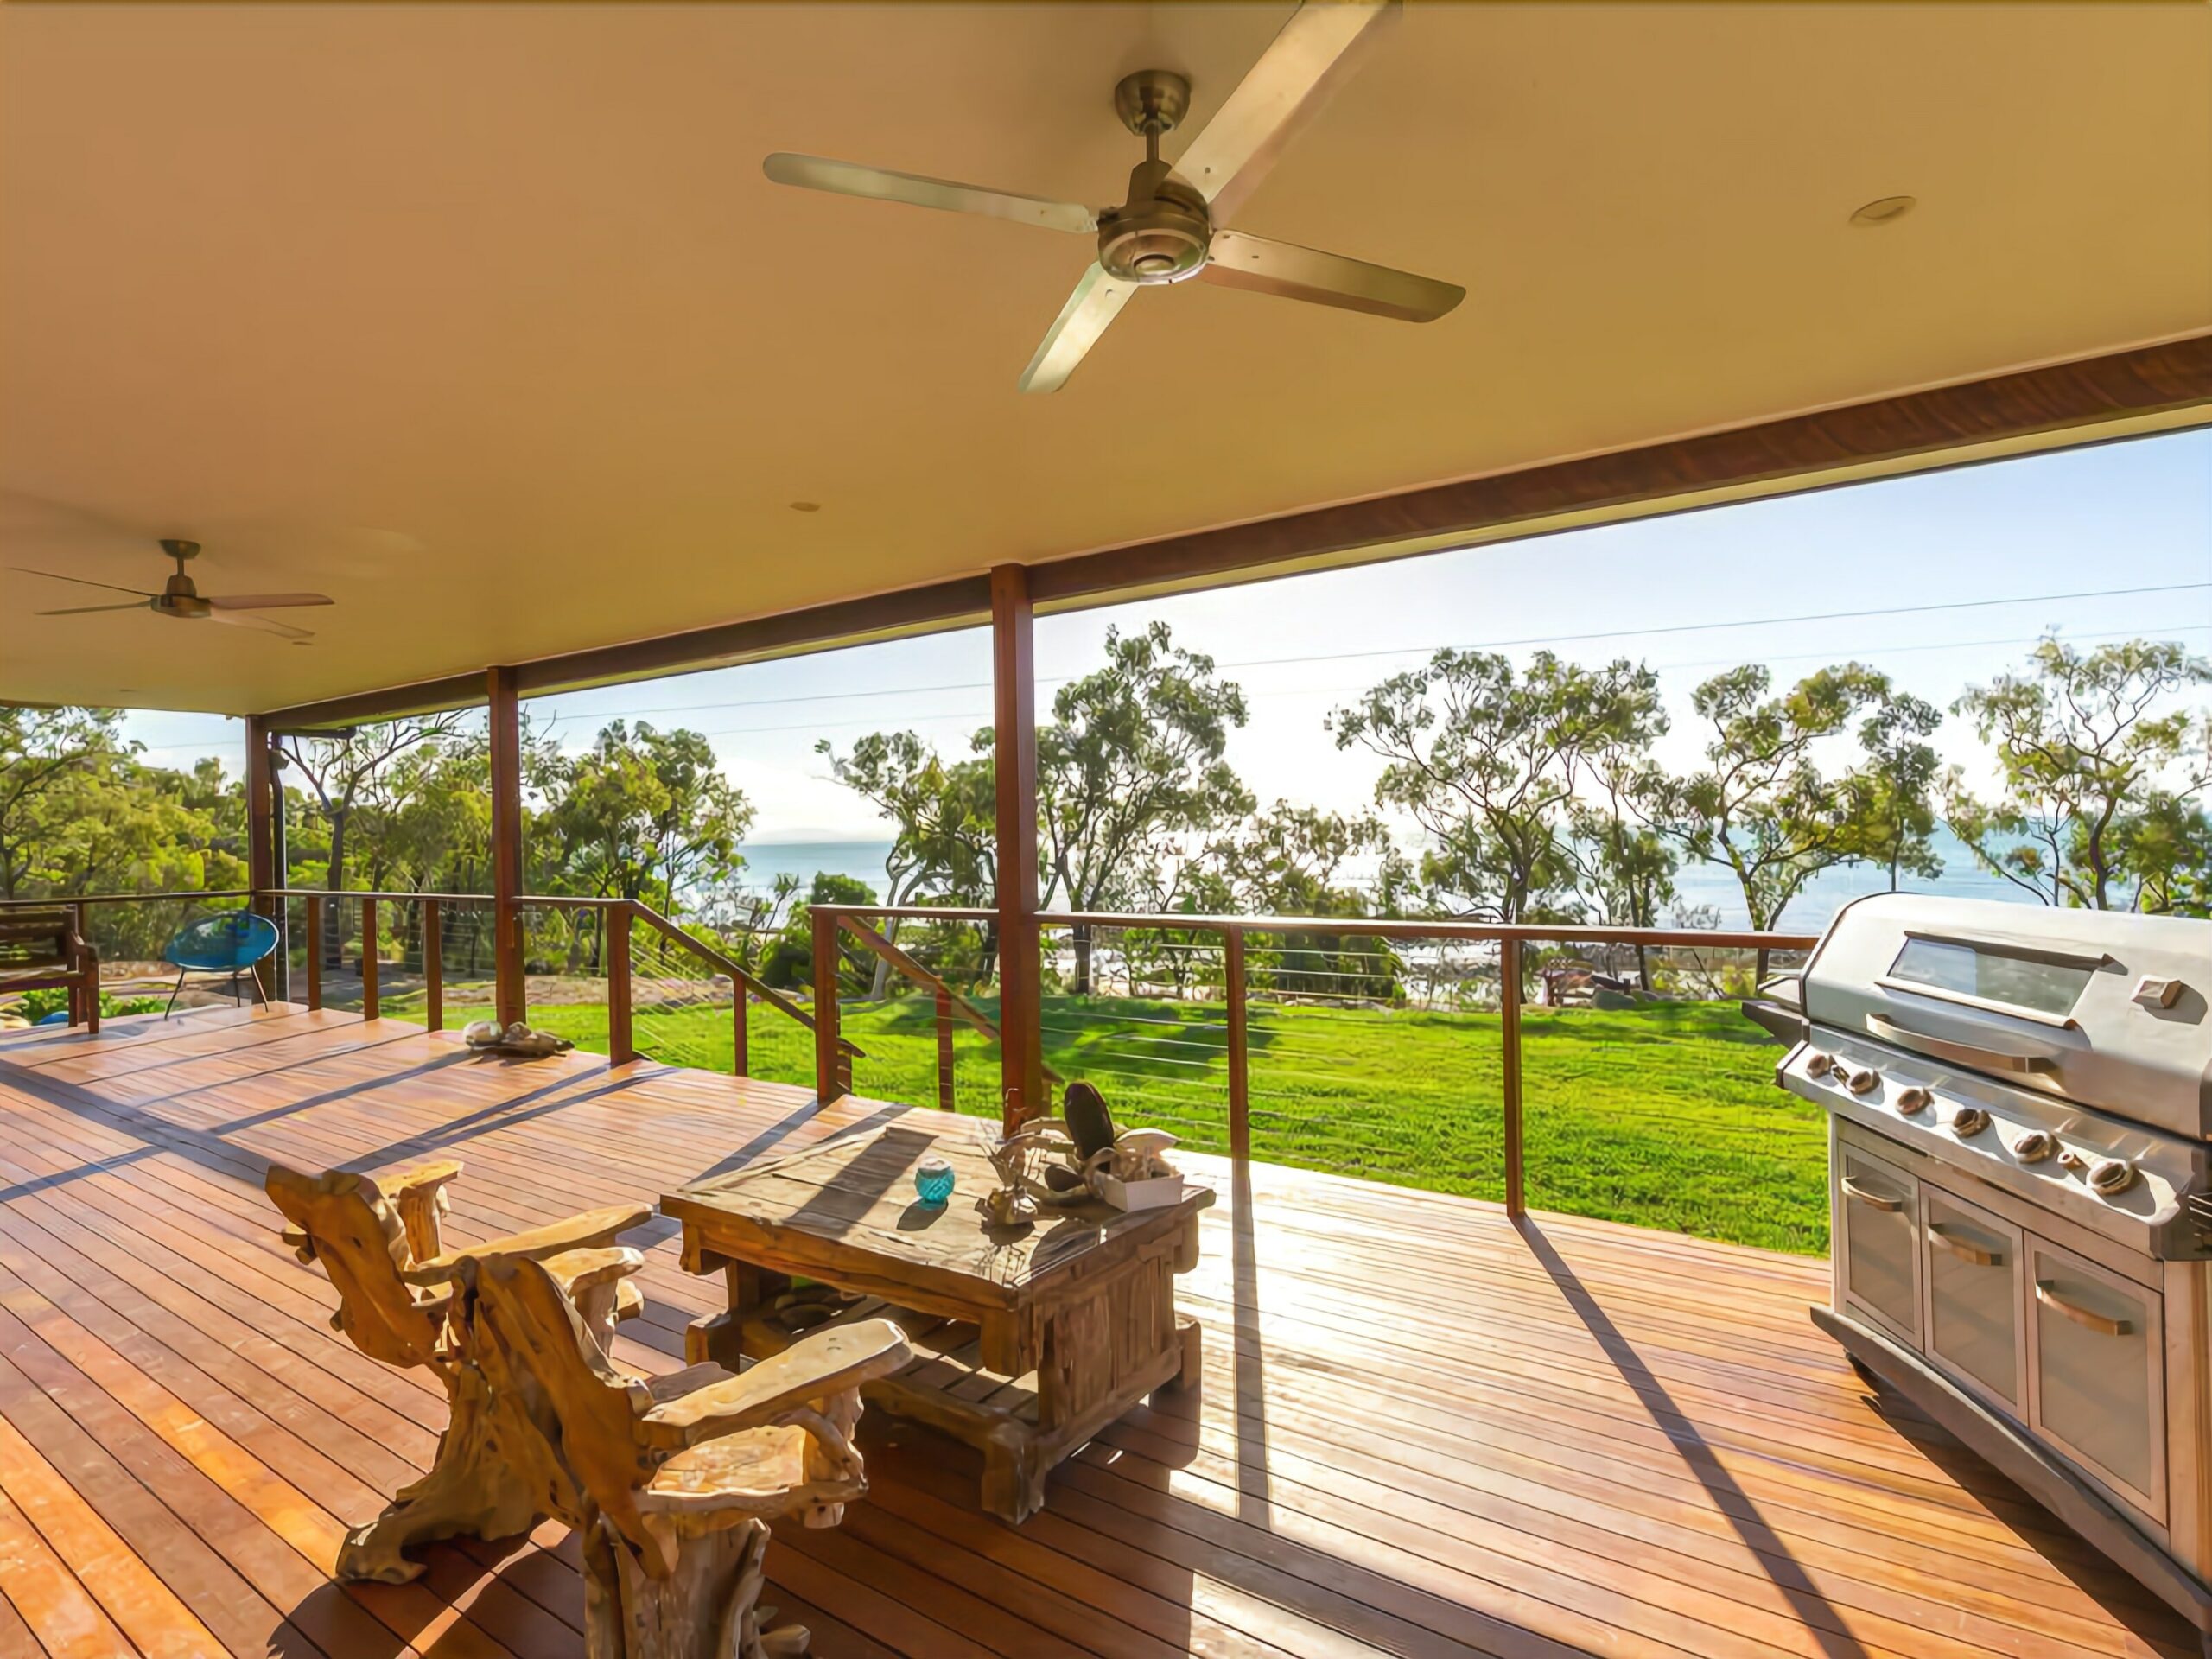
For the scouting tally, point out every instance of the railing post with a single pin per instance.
(314, 908)
(828, 1084)
(261, 871)
(620, 1051)
(740, 1055)
(1509, 1005)
(434, 987)
(80, 919)
(1240, 1070)
(945, 1050)
(369, 1010)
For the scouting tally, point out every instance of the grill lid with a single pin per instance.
(2099, 1007)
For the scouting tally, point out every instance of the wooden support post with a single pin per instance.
(1014, 723)
(1240, 1070)
(831, 1082)
(433, 959)
(945, 1050)
(260, 836)
(1508, 1003)
(314, 908)
(505, 715)
(369, 1009)
(620, 1050)
(739, 1049)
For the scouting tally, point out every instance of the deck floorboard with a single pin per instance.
(1422, 1431)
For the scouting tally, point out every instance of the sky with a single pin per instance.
(1947, 580)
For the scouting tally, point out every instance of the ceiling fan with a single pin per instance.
(179, 598)
(1168, 229)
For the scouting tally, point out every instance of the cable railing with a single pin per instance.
(1597, 1070)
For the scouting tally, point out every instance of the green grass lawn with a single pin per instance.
(1665, 1116)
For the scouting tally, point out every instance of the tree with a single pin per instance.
(2096, 782)
(1902, 770)
(339, 768)
(644, 813)
(1290, 860)
(1763, 806)
(48, 759)
(1487, 761)
(946, 842)
(1624, 868)
(789, 961)
(1132, 760)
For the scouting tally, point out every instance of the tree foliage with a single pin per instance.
(2098, 774)
(1487, 761)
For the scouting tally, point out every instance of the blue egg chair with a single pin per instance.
(230, 944)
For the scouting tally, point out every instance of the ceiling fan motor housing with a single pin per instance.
(1161, 235)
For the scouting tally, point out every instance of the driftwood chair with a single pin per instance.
(42, 950)
(378, 1242)
(670, 1482)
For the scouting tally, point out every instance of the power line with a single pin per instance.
(1423, 650)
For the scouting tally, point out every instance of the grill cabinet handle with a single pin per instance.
(2023, 1062)
(1887, 1205)
(1963, 1250)
(2081, 1315)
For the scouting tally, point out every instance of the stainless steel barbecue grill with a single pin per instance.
(2019, 1104)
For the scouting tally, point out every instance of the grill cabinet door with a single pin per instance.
(2097, 1384)
(1974, 1317)
(1878, 1210)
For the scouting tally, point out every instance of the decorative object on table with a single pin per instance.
(670, 1488)
(1028, 1341)
(377, 1239)
(1016, 1159)
(1126, 1168)
(489, 1037)
(230, 945)
(933, 1180)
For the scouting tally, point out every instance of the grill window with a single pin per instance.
(1980, 971)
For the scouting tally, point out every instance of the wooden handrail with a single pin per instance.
(127, 897)
(922, 976)
(739, 978)
(1390, 927)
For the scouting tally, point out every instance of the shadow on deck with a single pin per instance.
(1423, 1431)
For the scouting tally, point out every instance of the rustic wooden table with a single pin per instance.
(1028, 1343)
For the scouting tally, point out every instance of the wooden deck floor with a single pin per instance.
(1422, 1431)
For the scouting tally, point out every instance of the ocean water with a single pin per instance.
(1696, 884)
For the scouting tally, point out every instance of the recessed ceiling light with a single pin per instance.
(1883, 210)
(806, 506)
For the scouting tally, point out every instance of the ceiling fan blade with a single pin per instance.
(1316, 50)
(88, 610)
(879, 184)
(55, 575)
(1097, 300)
(260, 625)
(1235, 260)
(266, 601)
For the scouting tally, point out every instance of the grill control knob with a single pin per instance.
(1968, 1120)
(2111, 1177)
(1860, 1080)
(2034, 1145)
(1819, 1064)
(1912, 1098)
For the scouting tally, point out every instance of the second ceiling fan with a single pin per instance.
(1167, 231)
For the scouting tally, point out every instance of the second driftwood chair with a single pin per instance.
(671, 1481)
(378, 1241)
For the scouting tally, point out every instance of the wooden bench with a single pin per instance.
(41, 950)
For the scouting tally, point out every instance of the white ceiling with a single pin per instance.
(484, 320)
